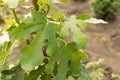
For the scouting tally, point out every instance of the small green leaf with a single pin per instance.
(65, 1)
(84, 17)
(83, 25)
(83, 56)
(97, 74)
(22, 1)
(17, 73)
(75, 62)
(84, 74)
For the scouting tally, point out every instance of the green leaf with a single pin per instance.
(61, 59)
(1, 2)
(32, 54)
(39, 16)
(52, 40)
(83, 56)
(0, 49)
(30, 57)
(23, 30)
(17, 73)
(62, 66)
(65, 1)
(11, 3)
(75, 61)
(67, 52)
(84, 17)
(95, 64)
(78, 36)
(75, 56)
(97, 74)
(34, 74)
(22, 1)
(55, 58)
(84, 74)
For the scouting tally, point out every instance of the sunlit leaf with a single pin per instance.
(64, 1)
(11, 3)
(95, 21)
(84, 17)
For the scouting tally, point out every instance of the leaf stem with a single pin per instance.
(14, 15)
(35, 4)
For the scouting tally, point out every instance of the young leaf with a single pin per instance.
(84, 17)
(84, 74)
(78, 36)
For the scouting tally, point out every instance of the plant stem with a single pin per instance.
(35, 4)
(14, 15)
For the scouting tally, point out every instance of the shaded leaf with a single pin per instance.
(34, 74)
(84, 74)
(17, 73)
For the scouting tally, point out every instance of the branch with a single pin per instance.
(35, 4)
